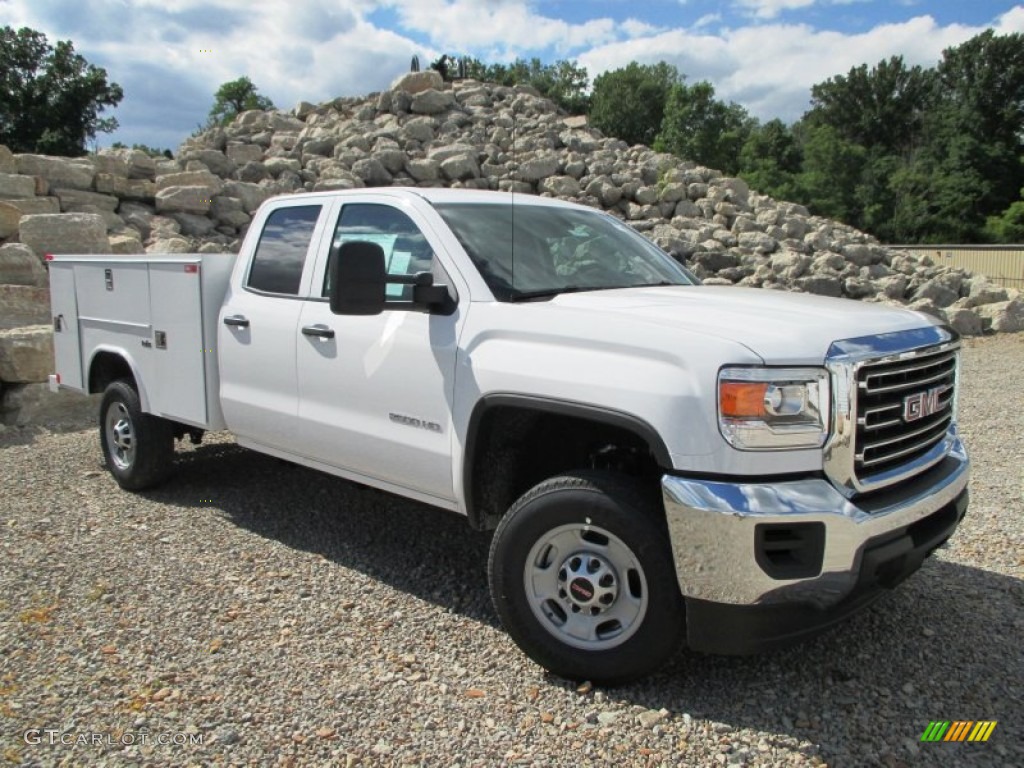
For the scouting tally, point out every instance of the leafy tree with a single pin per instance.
(629, 103)
(233, 98)
(981, 110)
(878, 108)
(50, 97)
(770, 160)
(697, 126)
(831, 174)
(1008, 227)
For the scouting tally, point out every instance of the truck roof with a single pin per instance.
(442, 195)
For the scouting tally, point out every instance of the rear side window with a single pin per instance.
(281, 251)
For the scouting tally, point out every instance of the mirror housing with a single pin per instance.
(357, 279)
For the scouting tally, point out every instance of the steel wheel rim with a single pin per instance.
(585, 587)
(120, 435)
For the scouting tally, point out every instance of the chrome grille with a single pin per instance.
(904, 408)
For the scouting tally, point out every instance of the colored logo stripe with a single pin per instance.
(935, 731)
(958, 730)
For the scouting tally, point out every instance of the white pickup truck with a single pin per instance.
(658, 459)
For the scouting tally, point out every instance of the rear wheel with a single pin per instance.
(582, 577)
(138, 447)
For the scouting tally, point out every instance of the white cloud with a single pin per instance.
(769, 9)
(472, 25)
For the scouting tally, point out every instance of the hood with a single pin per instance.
(781, 327)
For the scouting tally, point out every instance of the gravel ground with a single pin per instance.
(281, 617)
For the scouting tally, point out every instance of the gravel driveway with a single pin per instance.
(264, 614)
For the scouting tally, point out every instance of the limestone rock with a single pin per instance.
(1005, 316)
(125, 188)
(126, 243)
(418, 82)
(22, 305)
(65, 233)
(19, 265)
(36, 404)
(14, 186)
(211, 183)
(58, 171)
(7, 162)
(190, 199)
(75, 200)
(26, 354)
(432, 102)
(540, 167)
(966, 322)
(251, 195)
(33, 205)
(560, 186)
(9, 218)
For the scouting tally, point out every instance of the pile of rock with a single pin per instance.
(423, 132)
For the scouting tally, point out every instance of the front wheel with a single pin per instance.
(582, 577)
(138, 447)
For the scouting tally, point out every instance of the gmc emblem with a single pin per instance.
(923, 404)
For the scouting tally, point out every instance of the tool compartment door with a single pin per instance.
(67, 349)
(178, 386)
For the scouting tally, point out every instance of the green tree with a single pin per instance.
(50, 97)
(770, 160)
(233, 98)
(629, 103)
(1007, 227)
(697, 126)
(831, 174)
(878, 108)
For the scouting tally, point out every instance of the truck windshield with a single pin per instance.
(528, 251)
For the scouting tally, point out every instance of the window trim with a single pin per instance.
(312, 251)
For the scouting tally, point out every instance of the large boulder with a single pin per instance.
(417, 82)
(19, 265)
(188, 199)
(58, 171)
(14, 186)
(35, 404)
(22, 305)
(122, 187)
(9, 218)
(432, 102)
(1005, 316)
(32, 205)
(7, 161)
(26, 354)
(77, 200)
(65, 233)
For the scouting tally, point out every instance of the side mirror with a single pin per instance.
(357, 279)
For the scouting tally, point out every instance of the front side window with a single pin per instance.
(281, 252)
(406, 250)
(526, 251)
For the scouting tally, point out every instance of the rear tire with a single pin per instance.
(582, 577)
(138, 447)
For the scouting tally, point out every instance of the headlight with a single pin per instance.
(764, 409)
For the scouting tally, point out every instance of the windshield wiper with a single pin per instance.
(548, 293)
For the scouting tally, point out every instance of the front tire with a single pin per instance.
(582, 577)
(138, 448)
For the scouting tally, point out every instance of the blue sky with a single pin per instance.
(171, 55)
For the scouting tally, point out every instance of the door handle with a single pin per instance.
(320, 331)
(237, 321)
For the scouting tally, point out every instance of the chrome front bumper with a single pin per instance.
(718, 532)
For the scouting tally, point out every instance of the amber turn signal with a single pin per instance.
(742, 399)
